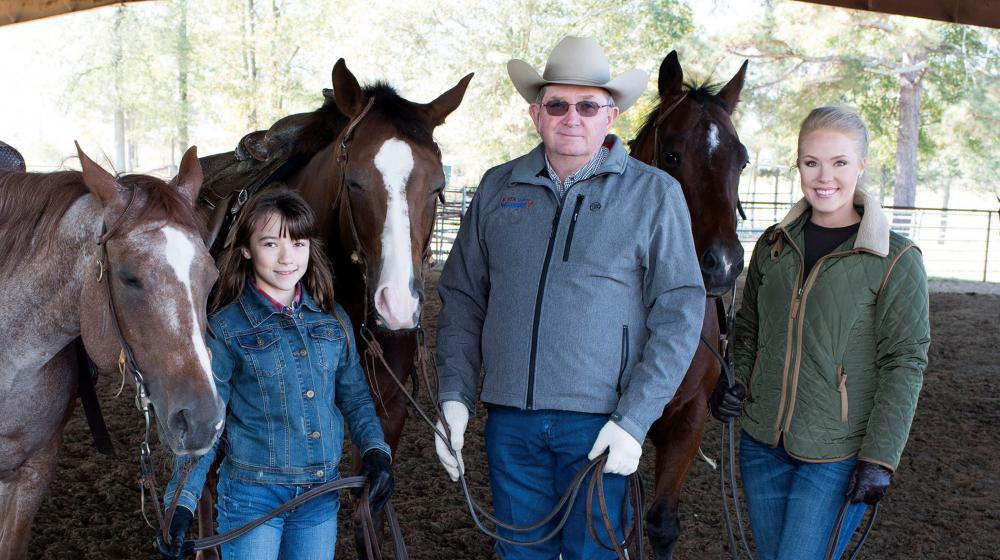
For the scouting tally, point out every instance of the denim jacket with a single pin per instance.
(288, 382)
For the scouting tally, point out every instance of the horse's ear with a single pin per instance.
(730, 93)
(439, 109)
(190, 175)
(671, 76)
(101, 183)
(347, 92)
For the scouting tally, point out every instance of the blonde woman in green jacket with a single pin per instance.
(830, 348)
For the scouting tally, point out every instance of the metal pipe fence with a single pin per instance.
(959, 244)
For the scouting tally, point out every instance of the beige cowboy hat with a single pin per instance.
(578, 61)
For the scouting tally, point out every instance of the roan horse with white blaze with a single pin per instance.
(691, 136)
(367, 163)
(56, 283)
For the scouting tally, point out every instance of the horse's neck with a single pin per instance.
(318, 181)
(40, 313)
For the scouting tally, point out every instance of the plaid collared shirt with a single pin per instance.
(585, 172)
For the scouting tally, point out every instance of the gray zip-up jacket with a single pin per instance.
(593, 303)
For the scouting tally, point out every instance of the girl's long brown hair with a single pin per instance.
(299, 222)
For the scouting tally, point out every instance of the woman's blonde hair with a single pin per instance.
(841, 119)
(298, 222)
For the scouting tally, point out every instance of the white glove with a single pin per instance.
(457, 417)
(623, 450)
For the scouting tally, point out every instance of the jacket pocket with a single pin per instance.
(262, 350)
(328, 343)
(624, 359)
(572, 226)
(842, 387)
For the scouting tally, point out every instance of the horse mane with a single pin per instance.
(701, 93)
(325, 124)
(33, 204)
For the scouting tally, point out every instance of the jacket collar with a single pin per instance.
(258, 309)
(873, 234)
(531, 169)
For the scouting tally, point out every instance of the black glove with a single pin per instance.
(375, 465)
(726, 403)
(179, 525)
(869, 483)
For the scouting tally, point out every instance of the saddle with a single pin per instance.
(261, 158)
(10, 159)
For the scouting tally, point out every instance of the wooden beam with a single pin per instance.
(16, 11)
(984, 13)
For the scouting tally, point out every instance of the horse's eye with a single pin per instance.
(353, 184)
(130, 280)
(671, 159)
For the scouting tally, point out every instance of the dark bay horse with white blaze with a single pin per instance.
(56, 283)
(691, 136)
(368, 165)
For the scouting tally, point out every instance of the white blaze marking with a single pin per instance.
(713, 138)
(394, 161)
(180, 252)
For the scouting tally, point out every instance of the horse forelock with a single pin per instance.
(701, 94)
(406, 116)
(160, 202)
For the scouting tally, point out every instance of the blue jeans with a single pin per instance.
(793, 504)
(533, 457)
(308, 532)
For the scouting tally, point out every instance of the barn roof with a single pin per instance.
(16, 11)
(984, 13)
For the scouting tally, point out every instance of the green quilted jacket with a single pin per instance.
(833, 362)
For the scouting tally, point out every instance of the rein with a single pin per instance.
(374, 353)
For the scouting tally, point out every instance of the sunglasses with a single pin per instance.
(583, 108)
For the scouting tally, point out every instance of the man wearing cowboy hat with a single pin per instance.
(574, 284)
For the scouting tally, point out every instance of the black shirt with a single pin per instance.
(821, 241)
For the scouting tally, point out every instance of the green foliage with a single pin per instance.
(813, 55)
(246, 63)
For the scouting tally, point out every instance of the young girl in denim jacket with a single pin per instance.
(286, 363)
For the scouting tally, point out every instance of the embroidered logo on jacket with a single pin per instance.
(516, 202)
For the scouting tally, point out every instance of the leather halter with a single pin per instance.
(656, 143)
(358, 256)
(659, 121)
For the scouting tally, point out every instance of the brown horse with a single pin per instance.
(690, 135)
(367, 164)
(55, 286)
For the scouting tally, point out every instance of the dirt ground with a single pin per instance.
(944, 503)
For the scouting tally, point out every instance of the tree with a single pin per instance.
(893, 68)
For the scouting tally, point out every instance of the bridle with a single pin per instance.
(374, 353)
(127, 362)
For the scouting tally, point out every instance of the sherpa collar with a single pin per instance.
(873, 235)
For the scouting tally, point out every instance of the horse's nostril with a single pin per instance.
(180, 423)
(709, 261)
